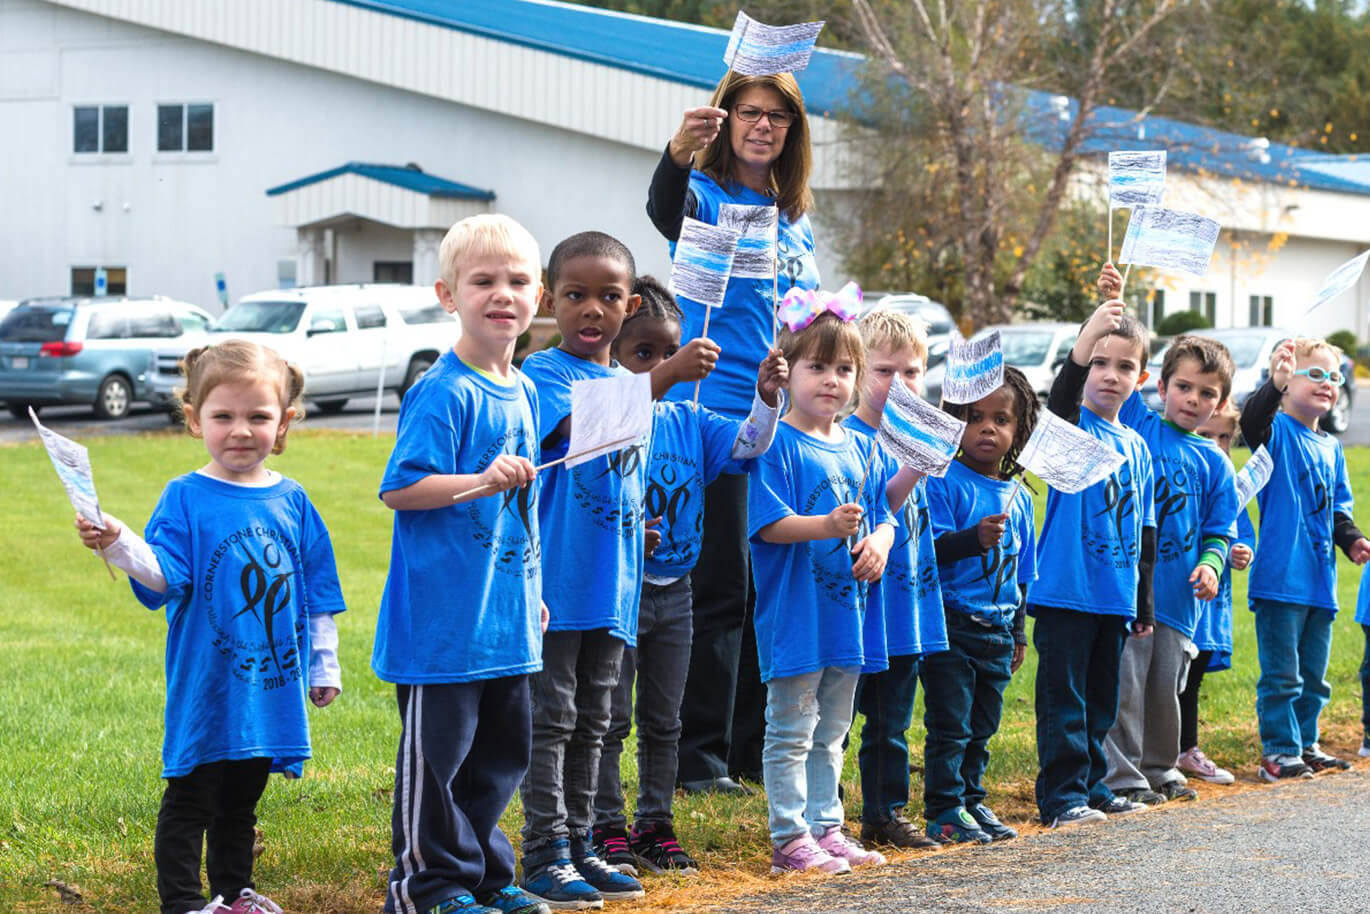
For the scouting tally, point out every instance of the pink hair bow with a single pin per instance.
(801, 307)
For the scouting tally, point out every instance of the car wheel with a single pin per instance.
(330, 407)
(21, 410)
(417, 369)
(114, 398)
(1338, 418)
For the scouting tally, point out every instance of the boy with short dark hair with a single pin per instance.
(1305, 510)
(1094, 561)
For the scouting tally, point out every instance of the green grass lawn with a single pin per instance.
(81, 703)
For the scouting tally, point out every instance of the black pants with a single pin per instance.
(722, 717)
(1189, 702)
(215, 804)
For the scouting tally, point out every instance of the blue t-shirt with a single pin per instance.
(1091, 541)
(1196, 498)
(810, 611)
(245, 567)
(990, 586)
(743, 327)
(908, 598)
(1214, 632)
(1363, 598)
(691, 445)
(591, 514)
(462, 599)
(1296, 559)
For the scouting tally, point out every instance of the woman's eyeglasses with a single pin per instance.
(779, 118)
(1317, 375)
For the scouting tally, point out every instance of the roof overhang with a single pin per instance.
(330, 201)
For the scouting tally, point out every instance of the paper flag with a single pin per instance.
(1339, 280)
(608, 414)
(1066, 458)
(703, 261)
(1253, 476)
(757, 49)
(756, 227)
(917, 434)
(974, 369)
(1136, 178)
(1169, 239)
(72, 463)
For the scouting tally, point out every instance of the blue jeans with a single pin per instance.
(1076, 702)
(1293, 643)
(807, 717)
(1365, 683)
(963, 690)
(885, 699)
(658, 664)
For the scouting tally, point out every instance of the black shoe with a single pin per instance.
(1318, 760)
(611, 846)
(724, 785)
(896, 832)
(659, 851)
(1174, 790)
(1119, 806)
(1142, 795)
(990, 824)
(1281, 767)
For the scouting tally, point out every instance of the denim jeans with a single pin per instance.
(1365, 683)
(807, 717)
(963, 691)
(1076, 702)
(1293, 643)
(885, 699)
(570, 716)
(660, 661)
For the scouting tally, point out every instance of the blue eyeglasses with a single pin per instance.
(1317, 375)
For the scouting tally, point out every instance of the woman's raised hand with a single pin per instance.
(698, 128)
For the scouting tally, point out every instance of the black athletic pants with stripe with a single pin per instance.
(464, 748)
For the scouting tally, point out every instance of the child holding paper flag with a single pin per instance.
(593, 511)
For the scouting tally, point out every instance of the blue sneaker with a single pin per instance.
(609, 882)
(461, 904)
(549, 876)
(989, 823)
(513, 900)
(955, 826)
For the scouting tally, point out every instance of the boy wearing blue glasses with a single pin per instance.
(1305, 511)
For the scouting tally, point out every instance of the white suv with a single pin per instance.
(342, 337)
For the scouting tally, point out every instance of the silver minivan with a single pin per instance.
(96, 351)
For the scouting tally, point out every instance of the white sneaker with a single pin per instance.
(216, 906)
(1194, 762)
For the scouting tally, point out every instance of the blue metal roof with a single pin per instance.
(693, 55)
(398, 175)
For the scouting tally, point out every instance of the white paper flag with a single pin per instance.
(1169, 239)
(608, 414)
(1065, 457)
(1136, 178)
(703, 261)
(974, 369)
(757, 49)
(1253, 476)
(756, 227)
(72, 463)
(917, 434)
(1339, 280)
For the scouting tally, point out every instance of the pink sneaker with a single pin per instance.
(1194, 762)
(803, 853)
(844, 848)
(216, 906)
(249, 902)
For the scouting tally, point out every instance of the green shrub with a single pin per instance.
(1182, 322)
(1344, 340)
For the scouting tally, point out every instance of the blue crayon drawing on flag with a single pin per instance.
(1136, 178)
(1065, 457)
(974, 369)
(756, 227)
(72, 463)
(917, 434)
(703, 261)
(1169, 239)
(1339, 280)
(757, 49)
(1253, 476)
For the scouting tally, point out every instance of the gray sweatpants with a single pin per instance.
(1145, 739)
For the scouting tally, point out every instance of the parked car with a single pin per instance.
(1251, 348)
(342, 337)
(934, 314)
(6, 306)
(87, 350)
(1037, 350)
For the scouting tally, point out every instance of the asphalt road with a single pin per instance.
(1291, 847)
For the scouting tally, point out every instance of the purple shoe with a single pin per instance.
(803, 853)
(844, 848)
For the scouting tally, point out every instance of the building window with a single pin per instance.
(1150, 305)
(1262, 311)
(185, 128)
(83, 280)
(1205, 303)
(285, 274)
(393, 271)
(100, 128)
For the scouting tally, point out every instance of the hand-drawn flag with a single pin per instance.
(1136, 178)
(1339, 280)
(72, 463)
(1065, 457)
(703, 261)
(1169, 239)
(974, 369)
(1253, 476)
(756, 227)
(757, 49)
(917, 434)
(608, 413)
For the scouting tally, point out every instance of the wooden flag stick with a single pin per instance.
(552, 463)
(1123, 285)
(106, 561)
(870, 461)
(775, 296)
(704, 334)
(1014, 494)
(1109, 258)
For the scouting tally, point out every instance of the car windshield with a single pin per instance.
(260, 317)
(1026, 348)
(1245, 348)
(931, 313)
(36, 323)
